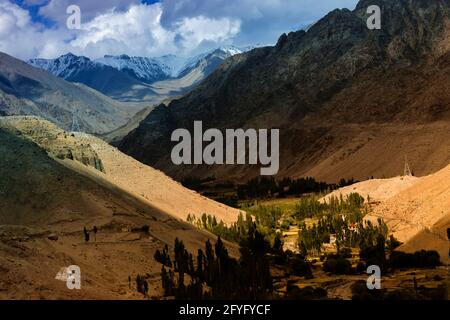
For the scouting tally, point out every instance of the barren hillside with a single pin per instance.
(416, 209)
(420, 215)
(44, 195)
(120, 170)
(375, 190)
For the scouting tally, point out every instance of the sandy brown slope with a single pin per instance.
(40, 195)
(420, 215)
(150, 185)
(375, 190)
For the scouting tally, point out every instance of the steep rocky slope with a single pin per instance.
(349, 101)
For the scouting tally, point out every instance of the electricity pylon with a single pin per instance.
(75, 124)
(407, 171)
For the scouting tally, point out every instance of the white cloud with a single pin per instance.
(18, 35)
(262, 21)
(192, 32)
(56, 9)
(135, 31)
(172, 26)
(138, 31)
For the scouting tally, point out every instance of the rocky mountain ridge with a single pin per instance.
(338, 92)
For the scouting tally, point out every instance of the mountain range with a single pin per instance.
(137, 79)
(349, 101)
(102, 95)
(25, 90)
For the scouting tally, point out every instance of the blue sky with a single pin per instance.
(37, 28)
(33, 10)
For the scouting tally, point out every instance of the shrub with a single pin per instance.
(145, 229)
(419, 259)
(300, 267)
(374, 254)
(361, 267)
(392, 243)
(345, 253)
(337, 265)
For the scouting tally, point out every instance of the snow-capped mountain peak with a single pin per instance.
(209, 61)
(131, 78)
(63, 66)
(144, 69)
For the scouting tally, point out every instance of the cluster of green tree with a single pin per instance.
(266, 219)
(374, 248)
(235, 232)
(263, 187)
(362, 234)
(227, 278)
(351, 206)
(372, 251)
(340, 217)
